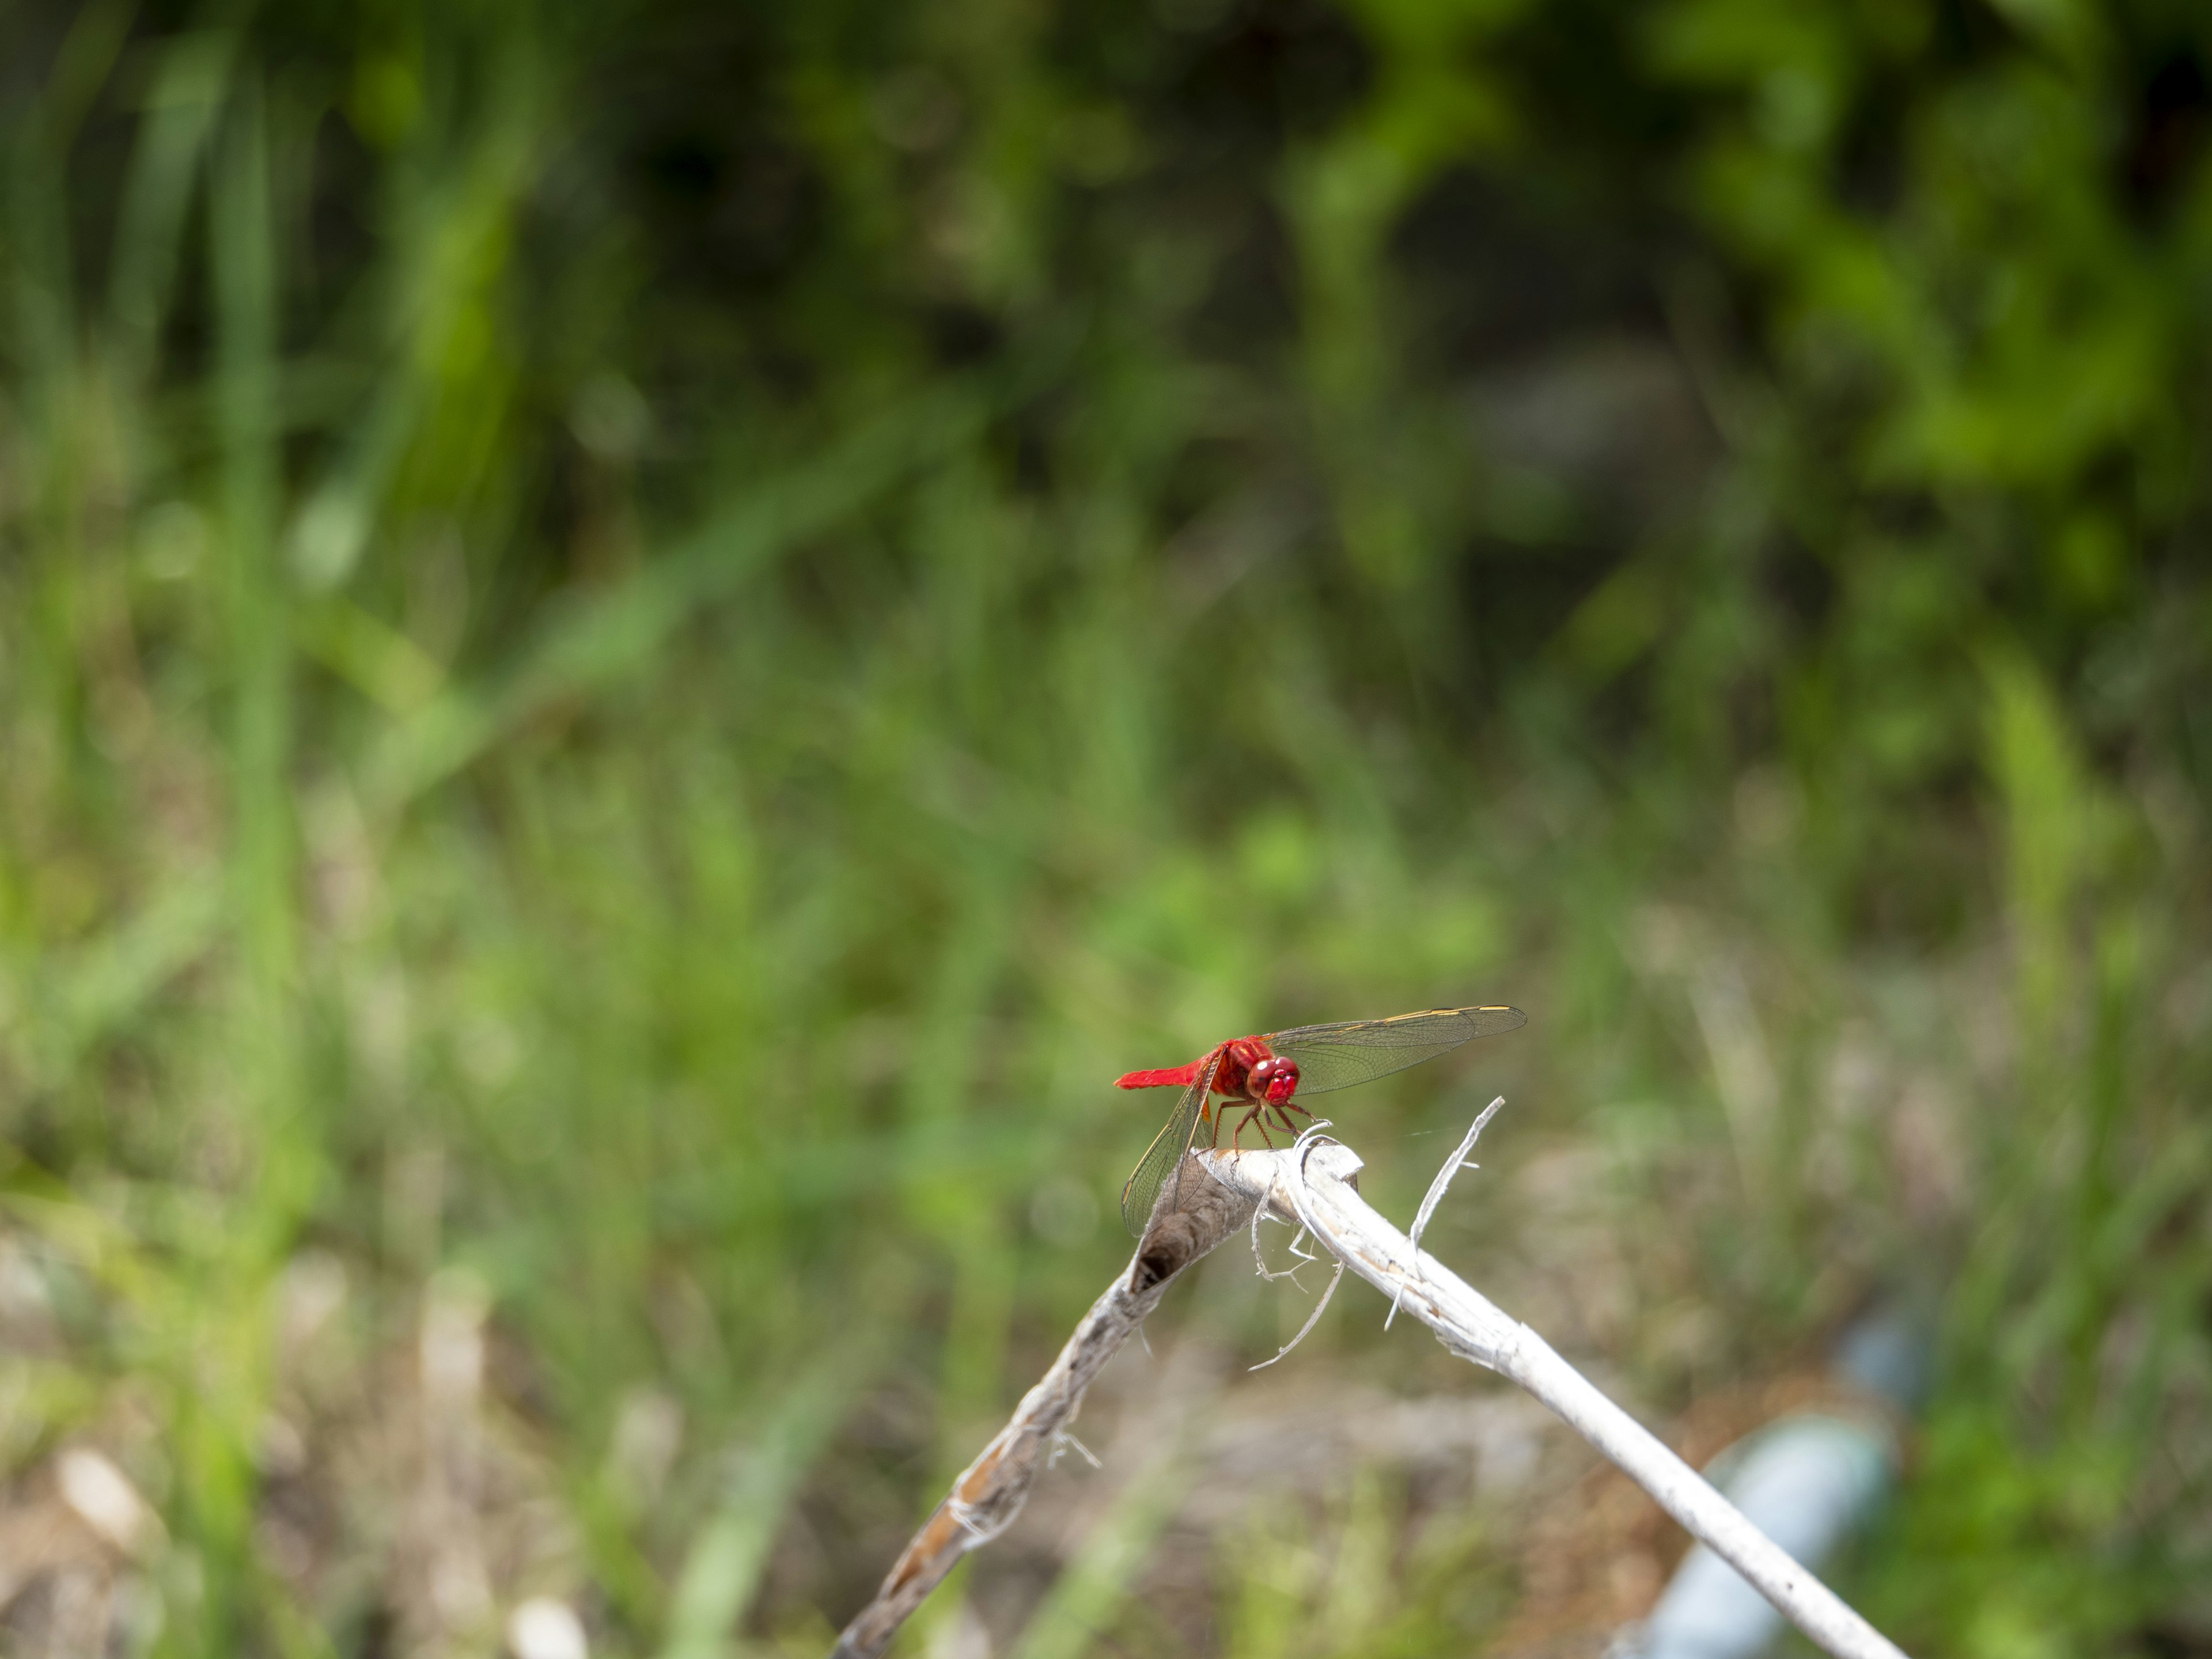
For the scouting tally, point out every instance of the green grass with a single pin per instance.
(551, 770)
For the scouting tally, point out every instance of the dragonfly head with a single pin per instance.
(1273, 1079)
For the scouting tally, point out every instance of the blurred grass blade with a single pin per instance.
(92, 1241)
(82, 66)
(375, 659)
(39, 249)
(215, 1421)
(591, 643)
(180, 113)
(108, 981)
(723, 1569)
(1083, 1599)
(2047, 800)
(245, 284)
(453, 257)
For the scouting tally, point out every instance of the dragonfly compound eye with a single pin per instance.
(1275, 1079)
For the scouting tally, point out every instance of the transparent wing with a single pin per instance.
(1163, 1159)
(1358, 1050)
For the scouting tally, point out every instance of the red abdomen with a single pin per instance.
(1175, 1077)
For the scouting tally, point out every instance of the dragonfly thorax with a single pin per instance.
(1252, 1071)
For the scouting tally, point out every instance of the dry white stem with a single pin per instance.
(1452, 1166)
(1311, 1184)
(1435, 1195)
(1312, 1319)
(990, 1492)
(1065, 1441)
(1260, 1260)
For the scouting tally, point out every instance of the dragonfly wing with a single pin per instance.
(1163, 1159)
(1358, 1050)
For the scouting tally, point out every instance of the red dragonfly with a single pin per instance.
(1271, 1073)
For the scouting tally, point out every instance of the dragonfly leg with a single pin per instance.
(1251, 1113)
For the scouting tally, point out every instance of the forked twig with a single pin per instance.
(990, 1492)
(1311, 1185)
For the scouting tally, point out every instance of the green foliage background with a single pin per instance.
(641, 645)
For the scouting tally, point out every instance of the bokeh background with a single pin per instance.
(641, 645)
